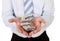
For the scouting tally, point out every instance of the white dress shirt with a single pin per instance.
(41, 7)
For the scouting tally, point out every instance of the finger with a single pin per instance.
(34, 32)
(30, 34)
(18, 21)
(19, 29)
(42, 20)
(31, 24)
(37, 29)
(25, 33)
(22, 31)
(11, 20)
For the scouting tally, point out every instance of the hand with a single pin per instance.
(20, 28)
(36, 22)
(16, 20)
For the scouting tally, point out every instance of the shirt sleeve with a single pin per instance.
(47, 15)
(47, 12)
(7, 13)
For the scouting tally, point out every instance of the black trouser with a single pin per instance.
(42, 37)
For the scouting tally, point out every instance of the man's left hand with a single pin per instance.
(36, 22)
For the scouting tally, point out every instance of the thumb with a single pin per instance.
(43, 21)
(30, 34)
(11, 20)
(18, 23)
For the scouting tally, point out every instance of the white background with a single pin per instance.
(52, 30)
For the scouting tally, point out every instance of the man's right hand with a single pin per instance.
(16, 20)
(20, 28)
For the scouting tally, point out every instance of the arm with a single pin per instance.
(48, 12)
(7, 13)
(46, 18)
